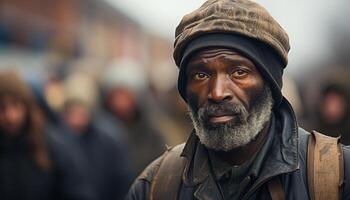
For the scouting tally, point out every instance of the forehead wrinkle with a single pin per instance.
(218, 56)
(215, 52)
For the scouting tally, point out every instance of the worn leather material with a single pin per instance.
(325, 167)
(168, 180)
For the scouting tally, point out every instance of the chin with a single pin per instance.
(225, 137)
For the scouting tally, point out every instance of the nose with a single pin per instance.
(219, 89)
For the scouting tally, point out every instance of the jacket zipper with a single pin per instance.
(259, 185)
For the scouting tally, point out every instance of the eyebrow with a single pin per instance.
(195, 66)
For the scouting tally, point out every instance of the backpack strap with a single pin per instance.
(325, 167)
(168, 179)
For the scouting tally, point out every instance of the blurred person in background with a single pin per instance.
(34, 163)
(171, 117)
(332, 116)
(53, 92)
(122, 84)
(38, 87)
(105, 154)
(170, 113)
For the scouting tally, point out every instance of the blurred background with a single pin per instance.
(100, 75)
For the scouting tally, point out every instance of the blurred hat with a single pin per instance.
(12, 83)
(124, 74)
(241, 25)
(82, 88)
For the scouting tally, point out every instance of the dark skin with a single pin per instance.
(222, 75)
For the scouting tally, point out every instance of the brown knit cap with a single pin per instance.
(11, 83)
(243, 17)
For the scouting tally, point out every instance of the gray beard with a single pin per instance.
(229, 136)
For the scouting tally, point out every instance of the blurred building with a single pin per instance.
(70, 29)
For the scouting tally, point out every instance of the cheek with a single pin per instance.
(250, 91)
(196, 95)
(255, 95)
(21, 114)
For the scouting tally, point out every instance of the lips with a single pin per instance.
(220, 119)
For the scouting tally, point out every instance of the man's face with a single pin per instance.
(122, 103)
(13, 114)
(333, 107)
(77, 118)
(228, 100)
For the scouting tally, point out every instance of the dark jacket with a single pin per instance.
(144, 142)
(286, 159)
(105, 158)
(22, 179)
(69, 170)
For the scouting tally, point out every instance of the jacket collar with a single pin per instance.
(282, 157)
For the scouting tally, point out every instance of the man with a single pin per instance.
(105, 155)
(332, 114)
(123, 84)
(245, 143)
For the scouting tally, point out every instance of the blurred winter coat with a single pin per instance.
(145, 143)
(106, 159)
(22, 179)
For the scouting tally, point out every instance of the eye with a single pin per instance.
(199, 76)
(239, 73)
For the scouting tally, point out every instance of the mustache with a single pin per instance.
(226, 108)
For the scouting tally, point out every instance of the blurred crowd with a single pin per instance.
(79, 136)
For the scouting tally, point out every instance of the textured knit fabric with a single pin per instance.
(231, 16)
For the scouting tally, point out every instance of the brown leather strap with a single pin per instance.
(168, 179)
(310, 165)
(276, 189)
(325, 167)
(341, 171)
